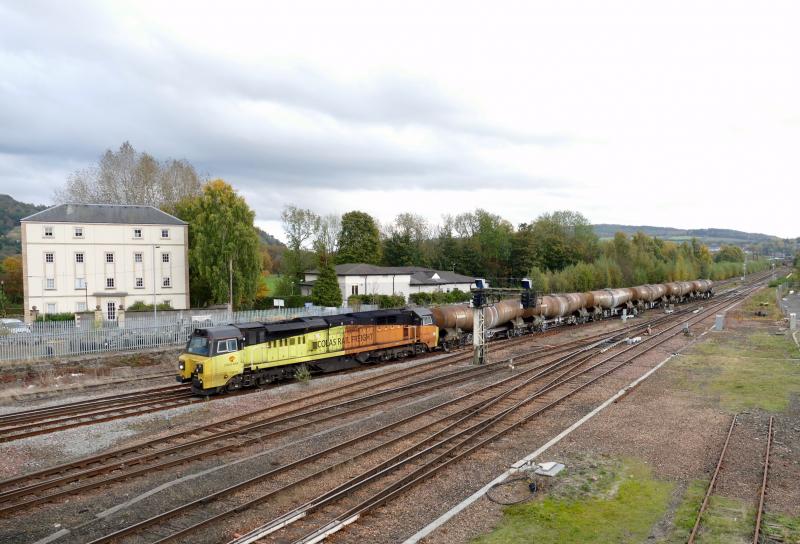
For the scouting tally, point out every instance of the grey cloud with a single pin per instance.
(71, 86)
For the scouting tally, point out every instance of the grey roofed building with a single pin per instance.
(420, 275)
(104, 214)
(362, 279)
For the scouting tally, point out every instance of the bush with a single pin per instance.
(383, 301)
(66, 316)
(140, 306)
(438, 297)
(302, 374)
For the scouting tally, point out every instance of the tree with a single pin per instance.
(12, 278)
(326, 238)
(729, 254)
(300, 225)
(403, 245)
(359, 239)
(221, 237)
(326, 289)
(130, 177)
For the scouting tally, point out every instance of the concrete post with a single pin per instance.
(121, 317)
(32, 315)
(793, 322)
(98, 316)
(719, 324)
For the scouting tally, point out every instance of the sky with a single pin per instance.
(682, 114)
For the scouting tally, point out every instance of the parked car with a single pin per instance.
(13, 326)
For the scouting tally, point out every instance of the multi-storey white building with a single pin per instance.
(77, 257)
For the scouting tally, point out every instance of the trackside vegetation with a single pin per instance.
(620, 505)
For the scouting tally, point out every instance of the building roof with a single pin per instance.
(104, 213)
(420, 275)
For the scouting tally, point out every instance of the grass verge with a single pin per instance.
(620, 503)
(742, 372)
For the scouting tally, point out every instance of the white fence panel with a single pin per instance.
(140, 330)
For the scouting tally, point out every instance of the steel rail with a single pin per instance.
(711, 484)
(128, 462)
(467, 374)
(229, 490)
(757, 532)
(384, 496)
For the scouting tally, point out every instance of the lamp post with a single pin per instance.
(155, 310)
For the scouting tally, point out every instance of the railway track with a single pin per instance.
(719, 468)
(24, 424)
(18, 425)
(238, 432)
(34, 422)
(455, 429)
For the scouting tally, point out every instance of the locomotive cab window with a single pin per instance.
(226, 346)
(198, 345)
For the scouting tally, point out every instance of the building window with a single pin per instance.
(50, 283)
(48, 258)
(109, 257)
(80, 283)
(165, 257)
(78, 232)
(165, 233)
(137, 233)
(80, 306)
(48, 232)
(139, 283)
(167, 303)
(354, 290)
(166, 282)
(79, 257)
(112, 311)
(137, 257)
(51, 307)
(109, 283)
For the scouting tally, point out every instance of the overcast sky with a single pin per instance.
(683, 114)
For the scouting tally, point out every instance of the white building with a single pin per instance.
(367, 279)
(76, 257)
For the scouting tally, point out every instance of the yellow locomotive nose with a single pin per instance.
(187, 364)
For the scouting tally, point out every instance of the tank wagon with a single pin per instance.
(227, 358)
(508, 318)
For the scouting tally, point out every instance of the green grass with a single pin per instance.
(781, 528)
(743, 372)
(620, 508)
(763, 300)
(725, 521)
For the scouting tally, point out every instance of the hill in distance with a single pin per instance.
(710, 237)
(11, 211)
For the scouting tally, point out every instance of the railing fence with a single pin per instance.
(137, 330)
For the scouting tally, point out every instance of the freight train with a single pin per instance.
(219, 359)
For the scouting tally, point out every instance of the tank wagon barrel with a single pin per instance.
(570, 307)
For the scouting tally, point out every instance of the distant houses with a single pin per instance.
(368, 279)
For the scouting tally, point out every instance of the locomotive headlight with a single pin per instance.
(181, 366)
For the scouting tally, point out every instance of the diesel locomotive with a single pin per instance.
(227, 358)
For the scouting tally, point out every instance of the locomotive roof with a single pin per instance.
(215, 333)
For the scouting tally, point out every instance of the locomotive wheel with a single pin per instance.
(234, 384)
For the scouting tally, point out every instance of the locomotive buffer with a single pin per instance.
(483, 296)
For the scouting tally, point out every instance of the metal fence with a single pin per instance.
(135, 331)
